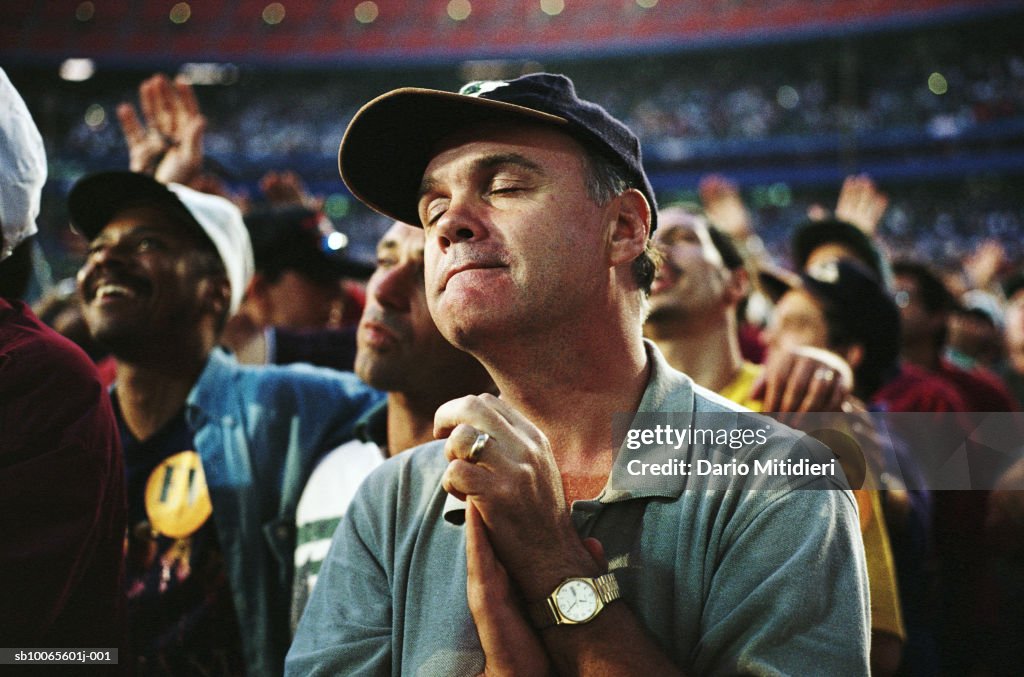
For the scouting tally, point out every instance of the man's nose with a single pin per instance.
(460, 222)
(393, 287)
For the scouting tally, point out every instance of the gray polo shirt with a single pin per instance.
(753, 579)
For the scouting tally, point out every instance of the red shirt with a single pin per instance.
(981, 389)
(62, 493)
(914, 389)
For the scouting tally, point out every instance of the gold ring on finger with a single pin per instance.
(477, 447)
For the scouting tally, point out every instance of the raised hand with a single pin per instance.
(287, 188)
(804, 379)
(984, 264)
(168, 142)
(724, 206)
(861, 203)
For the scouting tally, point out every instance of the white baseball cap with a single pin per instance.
(97, 198)
(22, 168)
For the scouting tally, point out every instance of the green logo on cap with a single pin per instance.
(480, 87)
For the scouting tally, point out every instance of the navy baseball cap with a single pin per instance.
(860, 301)
(810, 235)
(391, 140)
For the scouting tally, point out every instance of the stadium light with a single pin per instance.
(459, 10)
(85, 11)
(367, 12)
(273, 14)
(95, 116)
(937, 83)
(552, 7)
(77, 70)
(787, 97)
(209, 73)
(180, 13)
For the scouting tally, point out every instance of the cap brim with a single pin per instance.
(775, 281)
(812, 234)
(391, 139)
(97, 198)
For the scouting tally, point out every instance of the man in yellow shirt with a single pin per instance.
(693, 320)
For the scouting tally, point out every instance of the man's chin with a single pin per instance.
(118, 340)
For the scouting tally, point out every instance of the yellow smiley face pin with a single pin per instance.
(177, 499)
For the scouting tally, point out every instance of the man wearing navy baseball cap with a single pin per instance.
(537, 216)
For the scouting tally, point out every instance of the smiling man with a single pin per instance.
(216, 454)
(537, 215)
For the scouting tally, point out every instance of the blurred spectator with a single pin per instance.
(61, 477)
(401, 351)
(843, 308)
(300, 269)
(925, 306)
(963, 559)
(975, 332)
(693, 322)
(1012, 369)
(905, 387)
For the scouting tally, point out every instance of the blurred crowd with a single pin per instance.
(934, 95)
(871, 85)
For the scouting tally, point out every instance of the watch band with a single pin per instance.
(545, 613)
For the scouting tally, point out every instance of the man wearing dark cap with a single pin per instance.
(294, 306)
(907, 387)
(537, 216)
(829, 239)
(216, 454)
(300, 262)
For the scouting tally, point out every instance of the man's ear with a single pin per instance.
(257, 286)
(632, 225)
(256, 300)
(738, 285)
(216, 296)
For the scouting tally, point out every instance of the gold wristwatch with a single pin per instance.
(575, 601)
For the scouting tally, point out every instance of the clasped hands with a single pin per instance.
(520, 542)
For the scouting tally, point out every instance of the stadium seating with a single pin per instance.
(312, 30)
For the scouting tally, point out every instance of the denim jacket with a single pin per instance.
(260, 432)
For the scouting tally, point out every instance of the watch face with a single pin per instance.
(577, 600)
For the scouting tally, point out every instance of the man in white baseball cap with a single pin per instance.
(216, 453)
